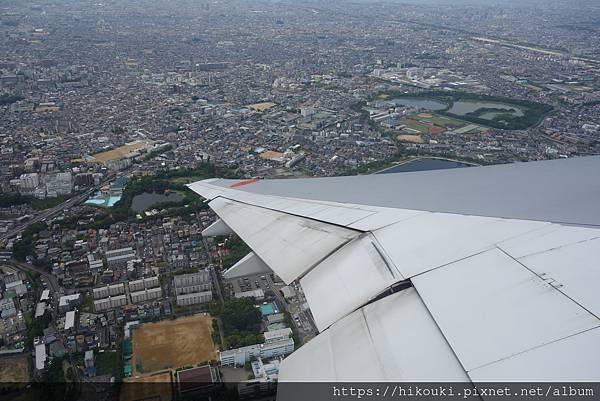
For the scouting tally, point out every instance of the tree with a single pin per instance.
(241, 314)
(9, 199)
(8, 99)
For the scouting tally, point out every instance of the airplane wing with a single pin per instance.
(481, 273)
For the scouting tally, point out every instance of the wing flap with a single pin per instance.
(346, 280)
(289, 245)
(249, 265)
(392, 339)
(217, 228)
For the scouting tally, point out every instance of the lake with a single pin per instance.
(427, 104)
(147, 200)
(463, 107)
(424, 164)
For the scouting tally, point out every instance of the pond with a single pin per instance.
(464, 107)
(146, 200)
(427, 104)
(487, 109)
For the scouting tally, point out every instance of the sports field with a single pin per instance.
(118, 153)
(171, 344)
(410, 138)
(261, 106)
(440, 121)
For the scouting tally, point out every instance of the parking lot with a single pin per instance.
(259, 281)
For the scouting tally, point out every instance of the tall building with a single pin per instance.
(59, 184)
(280, 343)
(193, 288)
(28, 183)
(194, 298)
(192, 282)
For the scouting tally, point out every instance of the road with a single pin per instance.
(303, 335)
(213, 273)
(48, 214)
(25, 267)
(56, 210)
(43, 216)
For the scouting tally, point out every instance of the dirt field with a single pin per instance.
(261, 106)
(410, 138)
(117, 153)
(156, 387)
(14, 369)
(171, 344)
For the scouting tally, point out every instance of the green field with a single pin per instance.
(441, 121)
(413, 124)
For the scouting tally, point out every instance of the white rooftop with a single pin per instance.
(65, 299)
(70, 320)
(40, 356)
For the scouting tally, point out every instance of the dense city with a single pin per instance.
(109, 109)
